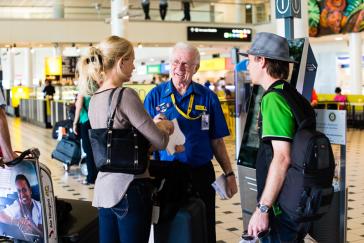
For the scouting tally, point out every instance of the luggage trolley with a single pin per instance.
(79, 225)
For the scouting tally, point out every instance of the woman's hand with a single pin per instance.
(166, 126)
(74, 127)
(159, 117)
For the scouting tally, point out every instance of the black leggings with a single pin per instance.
(86, 145)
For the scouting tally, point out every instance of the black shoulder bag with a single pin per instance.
(119, 150)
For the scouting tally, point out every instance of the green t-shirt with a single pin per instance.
(278, 122)
(84, 110)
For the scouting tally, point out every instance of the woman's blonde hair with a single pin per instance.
(98, 61)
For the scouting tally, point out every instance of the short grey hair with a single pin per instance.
(188, 47)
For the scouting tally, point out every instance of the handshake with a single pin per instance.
(176, 139)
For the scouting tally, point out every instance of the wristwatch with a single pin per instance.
(263, 208)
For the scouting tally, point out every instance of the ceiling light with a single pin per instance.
(339, 38)
(140, 45)
(248, 6)
(31, 50)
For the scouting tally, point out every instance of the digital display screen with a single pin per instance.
(295, 52)
(250, 144)
(198, 33)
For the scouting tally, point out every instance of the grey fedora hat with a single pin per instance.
(271, 46)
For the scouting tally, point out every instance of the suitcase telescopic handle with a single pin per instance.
(34, 152)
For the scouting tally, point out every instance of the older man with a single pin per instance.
(199, 115)
(5, 144)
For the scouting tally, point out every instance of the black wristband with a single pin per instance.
(231, 173)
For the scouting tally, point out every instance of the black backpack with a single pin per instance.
(307, 190)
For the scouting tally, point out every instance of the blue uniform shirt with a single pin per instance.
(198, 148)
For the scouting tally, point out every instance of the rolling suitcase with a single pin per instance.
(188, 226)
(68, 151)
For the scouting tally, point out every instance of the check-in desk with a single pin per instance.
(35, 111)
(43, 112)
(59, 110)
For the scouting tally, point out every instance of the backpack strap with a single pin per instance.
(302, 111)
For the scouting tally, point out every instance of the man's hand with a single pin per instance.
(231, 187)
(179, 148)
(259, 222)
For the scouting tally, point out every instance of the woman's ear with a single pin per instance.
(120, 63)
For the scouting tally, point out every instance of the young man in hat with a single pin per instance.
(269, 67)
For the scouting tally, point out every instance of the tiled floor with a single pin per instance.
(228, 221)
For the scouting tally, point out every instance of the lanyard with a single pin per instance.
(190, 104)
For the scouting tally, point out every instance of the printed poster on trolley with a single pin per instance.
(21, 214)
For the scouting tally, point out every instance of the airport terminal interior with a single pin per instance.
(42, 40)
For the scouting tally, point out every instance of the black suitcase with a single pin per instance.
(188, 226)
(67, 151)
(82, 223)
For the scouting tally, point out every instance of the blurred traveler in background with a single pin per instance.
(163, 6)
(339, 97)
(227, 92)
(81, 118)
(48, 89)
(186, 6)
(207, 84)
(146, 5)
(314, 98)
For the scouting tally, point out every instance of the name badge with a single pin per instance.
(205, 121)
(200, 108)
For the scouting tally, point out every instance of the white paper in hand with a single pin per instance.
(220, 187)
(177, 138)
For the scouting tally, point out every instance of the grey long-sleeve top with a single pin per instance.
(111, 187)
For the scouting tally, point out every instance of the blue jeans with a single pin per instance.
(285, 230)
(129, 221)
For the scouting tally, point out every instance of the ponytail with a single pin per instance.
(91, 71)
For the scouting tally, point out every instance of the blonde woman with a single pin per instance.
(124, 200)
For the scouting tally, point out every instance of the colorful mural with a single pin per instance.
(335, 16)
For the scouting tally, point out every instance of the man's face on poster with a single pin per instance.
(24, 192)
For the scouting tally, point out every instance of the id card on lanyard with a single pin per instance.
(205, 118)
(205, 121)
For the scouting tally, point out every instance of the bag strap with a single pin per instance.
(300, 107)
(111, 112)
